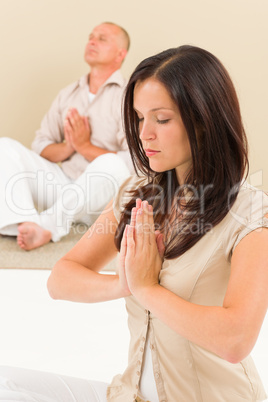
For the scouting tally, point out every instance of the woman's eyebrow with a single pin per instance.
(161, 108)
(156, 109)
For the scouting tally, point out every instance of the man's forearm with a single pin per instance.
(57, 152)
(90, 152)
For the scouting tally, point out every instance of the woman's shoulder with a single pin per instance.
(247, 214)
(251, 203)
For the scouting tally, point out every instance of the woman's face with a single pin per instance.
(162, 131)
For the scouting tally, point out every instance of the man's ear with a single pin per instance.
(122, 54)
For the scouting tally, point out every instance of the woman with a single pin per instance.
(192, 236)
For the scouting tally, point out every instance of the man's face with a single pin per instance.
(104, 45)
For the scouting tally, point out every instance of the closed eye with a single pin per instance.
(163, 121)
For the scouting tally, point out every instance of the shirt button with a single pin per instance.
(157, 375)
(137, 386)
(138, 362)
(138, 373)
(141, 349)
(143, 338)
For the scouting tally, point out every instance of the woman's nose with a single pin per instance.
(146, 132)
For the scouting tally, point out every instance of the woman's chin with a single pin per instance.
(157, 168)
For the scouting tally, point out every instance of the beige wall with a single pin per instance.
(42, 43)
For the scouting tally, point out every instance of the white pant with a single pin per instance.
(38, 191)
(17, 385)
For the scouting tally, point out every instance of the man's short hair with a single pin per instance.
(125, 35)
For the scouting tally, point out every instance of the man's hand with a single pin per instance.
(77, 131)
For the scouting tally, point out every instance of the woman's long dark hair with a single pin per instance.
(204, 93)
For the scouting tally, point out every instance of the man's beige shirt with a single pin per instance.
(184, 371)
(104, 114)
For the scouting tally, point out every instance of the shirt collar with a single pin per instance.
(116, 78)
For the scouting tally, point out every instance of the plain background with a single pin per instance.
(42, 45)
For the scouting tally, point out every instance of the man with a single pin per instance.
(82, 131)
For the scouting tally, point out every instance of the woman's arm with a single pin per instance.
(229, 331)
(76, 276)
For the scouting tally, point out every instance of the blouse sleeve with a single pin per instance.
(247, 215)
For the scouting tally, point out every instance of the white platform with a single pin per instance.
(81, 340)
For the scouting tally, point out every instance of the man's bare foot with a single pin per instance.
(32, 236)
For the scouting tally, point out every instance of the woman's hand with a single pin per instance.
(122, 273)
(123, 252)
(142, 250)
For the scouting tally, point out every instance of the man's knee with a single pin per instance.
(6, 141)
(110, 164)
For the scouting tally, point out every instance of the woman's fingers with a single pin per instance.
(139, 227)
(122, 264)
(138, 203)
(123, 248)
(130, 241)
(143, 228)
(151, 223)
(160, 243)
(145, 221)
(148, 222)
(133, 217)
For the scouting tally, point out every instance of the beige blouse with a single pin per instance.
(183, 370)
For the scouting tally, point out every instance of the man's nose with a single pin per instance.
(92, 41)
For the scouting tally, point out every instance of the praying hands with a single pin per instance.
(142, 251)
(77, 130)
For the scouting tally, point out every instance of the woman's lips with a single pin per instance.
(151, 152)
